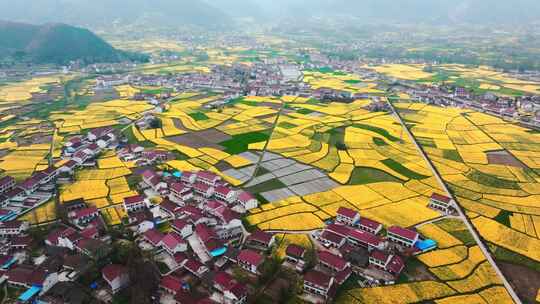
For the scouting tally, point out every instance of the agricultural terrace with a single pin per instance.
(14, 93)
(404, 71)
(479, 80)
(457, 272)
(104, 187)
(326, 78)
(492, 167)
(21, 161)
(99, 114)
(484, 79)
(207, 138)
(372, 167)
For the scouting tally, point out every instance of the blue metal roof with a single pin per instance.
(426, 244)
(28, 294)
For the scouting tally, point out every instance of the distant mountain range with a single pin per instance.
(410, 11)
(57, 44)
(103, 13)
(221, 14)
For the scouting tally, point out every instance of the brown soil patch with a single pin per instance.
(503, 158)
(525, 281)
(207, 138)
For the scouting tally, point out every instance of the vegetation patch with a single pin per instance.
(452, 155)
(379, 141)
(504, 217)
(399, 168)
(367, 175)
(286, 125)
(239, 143)
(198, 116)
(304, 111)
(377, 130)
(492, 181)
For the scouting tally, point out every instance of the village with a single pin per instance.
(184, 238)
(204, 253)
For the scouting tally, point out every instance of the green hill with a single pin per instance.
(57, 44)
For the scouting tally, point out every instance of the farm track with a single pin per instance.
(468, 224)
(261, 157)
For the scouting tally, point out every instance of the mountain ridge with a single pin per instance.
(57, 43)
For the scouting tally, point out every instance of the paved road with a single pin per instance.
(263, 151)
(469, 225)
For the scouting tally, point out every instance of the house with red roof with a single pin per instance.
(347, 216)
(208, 178)
(153, 237)
(168, 209)
(203, 190)
(247, 201)
(170, 284)
(441, 202)
(369, 225)
(250, 260)
(50, 174)
(237, 294)
(173, 243)
(63, 237)
(117, 276)
(180, 193)
(294, 253)
(82, 217)
(6, 183)
(391, 263)
(92, 149)
(195, 267)
(402, 236)
(260, 239)
(155, 156)
(26, 276)
(135, 203)
(319, 284)
(332, 239)
(81, 157)
(332, 262)
(153, 180)
(68, 167)
(338, 229)
(211, 206)
(31, 184)
(209, 239)
(188, 177)
(225, 194)
(182, 227)
(364, 239)
(13, 228)
(223, 281)
(226, 216)
(94, 134)
(105, 140)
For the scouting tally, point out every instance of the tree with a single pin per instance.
(269, 269)
(310, 258)
(155, 123)
(143, 276)
(341, 146)
(240, 275)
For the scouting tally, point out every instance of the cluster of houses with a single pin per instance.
(358, 245)
(523, 109)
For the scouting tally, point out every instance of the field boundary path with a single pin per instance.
(263, 151)
(469, 225)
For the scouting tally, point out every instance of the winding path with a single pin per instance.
(469, 225)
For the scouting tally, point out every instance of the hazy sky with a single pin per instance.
(217, 12)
